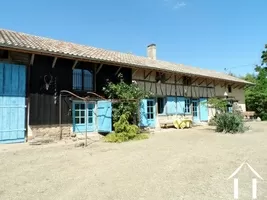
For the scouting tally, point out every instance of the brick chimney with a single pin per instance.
(151, 51)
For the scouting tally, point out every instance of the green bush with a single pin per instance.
(141, 136)
(124, 131)
(229, 123)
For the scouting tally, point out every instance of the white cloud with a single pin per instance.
(179, 5)
(175, 4)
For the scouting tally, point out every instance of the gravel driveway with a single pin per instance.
(171, 165)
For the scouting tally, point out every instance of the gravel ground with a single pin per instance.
(171, 165)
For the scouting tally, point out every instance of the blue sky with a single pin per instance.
(212, 34)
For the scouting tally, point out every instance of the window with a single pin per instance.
(3, 54)
(80, 113)
(161, 105)
(82, 80)
(187, 106)
(150, 109)
(187, 80)
(229, 88)
(160, 77)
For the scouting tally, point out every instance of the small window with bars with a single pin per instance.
(82, 80)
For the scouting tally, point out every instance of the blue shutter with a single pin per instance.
(143, 113)
(2, 78)
(104, 116)
(204, 109)
(77, 79)
(87, 80)
(180, 105)
(171, 105)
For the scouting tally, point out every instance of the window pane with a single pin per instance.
(77, 121)
(87, 80)
(90, 106)
(77, 106)
(77, 79)
(82, 121)
(82, 113)
(77, 113)
(90, 120)
(148, 116)
(90, 113)
(152, 116)
(82, 106)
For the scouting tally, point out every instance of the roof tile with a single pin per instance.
(29, 42)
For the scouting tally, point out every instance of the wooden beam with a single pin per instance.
(241, 87)
(74, 64)
(232, 85)
(118, 71)
(99, 68)
(32, 59)
(149, 73)
(54, 62)
(215, 83)
(236, 86)
(134, 72)
(169, 77)
(175, 82)
(214, 89)
(194, 81)
(95, 77)
(207, 89)
(210, 83)
(202, 82)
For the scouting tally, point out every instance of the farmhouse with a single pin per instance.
(34, 70)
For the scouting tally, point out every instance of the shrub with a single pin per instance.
(124, 131)
(141, 136)
(129, 95)
(229, 123)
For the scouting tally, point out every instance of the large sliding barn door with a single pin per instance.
(12, 103)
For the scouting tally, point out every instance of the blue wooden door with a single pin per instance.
(195, 108)
(79, 117)
(104, 116)
(147, 113)
(180, 105)
(204, 114)
(171, 106)
(12, 103)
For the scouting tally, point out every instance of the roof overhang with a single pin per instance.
(128, 65)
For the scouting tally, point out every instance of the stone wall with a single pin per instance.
(52, 132)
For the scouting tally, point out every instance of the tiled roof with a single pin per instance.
(33, 43)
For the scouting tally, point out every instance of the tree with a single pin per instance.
(256, 96)
(129, 94)
(218, 104)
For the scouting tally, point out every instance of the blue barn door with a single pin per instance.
(147, 113)
(195, 104)
(171, 106)
(204, 109)
(104, 116)
(12, 103)
(79, 117)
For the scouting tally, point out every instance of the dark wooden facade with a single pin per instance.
(44, 105)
